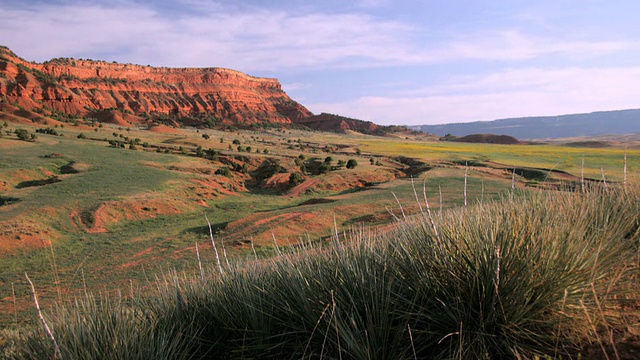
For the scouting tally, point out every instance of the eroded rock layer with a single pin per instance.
(133, 94)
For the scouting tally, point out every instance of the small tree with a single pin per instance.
(22, 134)
(328, 160)
(206, 136)
(324, 168)
(351, 164)
(295, 178)
(341, 163)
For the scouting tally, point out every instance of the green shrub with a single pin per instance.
(295, 178)
(224, 171)
(351, 164)
(24, 135)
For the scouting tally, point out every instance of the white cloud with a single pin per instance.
(512, 93)
(259, 39)
(256, 40)
(510, 45)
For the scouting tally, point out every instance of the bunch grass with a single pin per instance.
(525, 276)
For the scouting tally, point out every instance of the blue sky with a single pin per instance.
(390, 62)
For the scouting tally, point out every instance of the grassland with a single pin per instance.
(78, 211)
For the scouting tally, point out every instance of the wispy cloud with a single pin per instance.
(509, 45)
(260, 39)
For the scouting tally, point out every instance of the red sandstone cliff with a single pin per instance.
(132, 94)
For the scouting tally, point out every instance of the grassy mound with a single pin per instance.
(512, 279)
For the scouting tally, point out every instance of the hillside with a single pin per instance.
(547, 127)
(337, 123)
(66, 89)
(488, 139)
(127, 94)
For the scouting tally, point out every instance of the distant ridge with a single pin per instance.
(547, 127)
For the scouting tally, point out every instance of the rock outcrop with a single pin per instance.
(129, 94)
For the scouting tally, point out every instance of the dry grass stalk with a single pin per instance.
(624, 179)
(199, 263)
(15, 309)
(224, 253)
(56, 276)
(582, 177)
(214, 247)
(58, 355)
(440, 206)
(404, 216)
(466, 175)
(594, 330)
(255, 254)
(275, 242)
(413, 346)
(604, 180)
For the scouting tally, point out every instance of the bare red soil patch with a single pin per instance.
(162, 129)
(23, 235)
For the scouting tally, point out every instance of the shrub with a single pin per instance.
(224, 171)
(22, 134)
(295, 178)
(324, 168)
(351, 164)
(49, 131)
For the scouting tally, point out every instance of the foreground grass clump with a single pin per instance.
(510, 279)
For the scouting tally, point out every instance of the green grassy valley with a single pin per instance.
(423, 248)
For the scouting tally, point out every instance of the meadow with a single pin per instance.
(298, 260)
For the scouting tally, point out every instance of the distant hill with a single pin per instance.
(547, 127)
(488, 139)
(337, 123)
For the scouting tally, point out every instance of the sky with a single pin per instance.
(391, 62)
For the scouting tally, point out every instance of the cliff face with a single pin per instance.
(130, 94)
